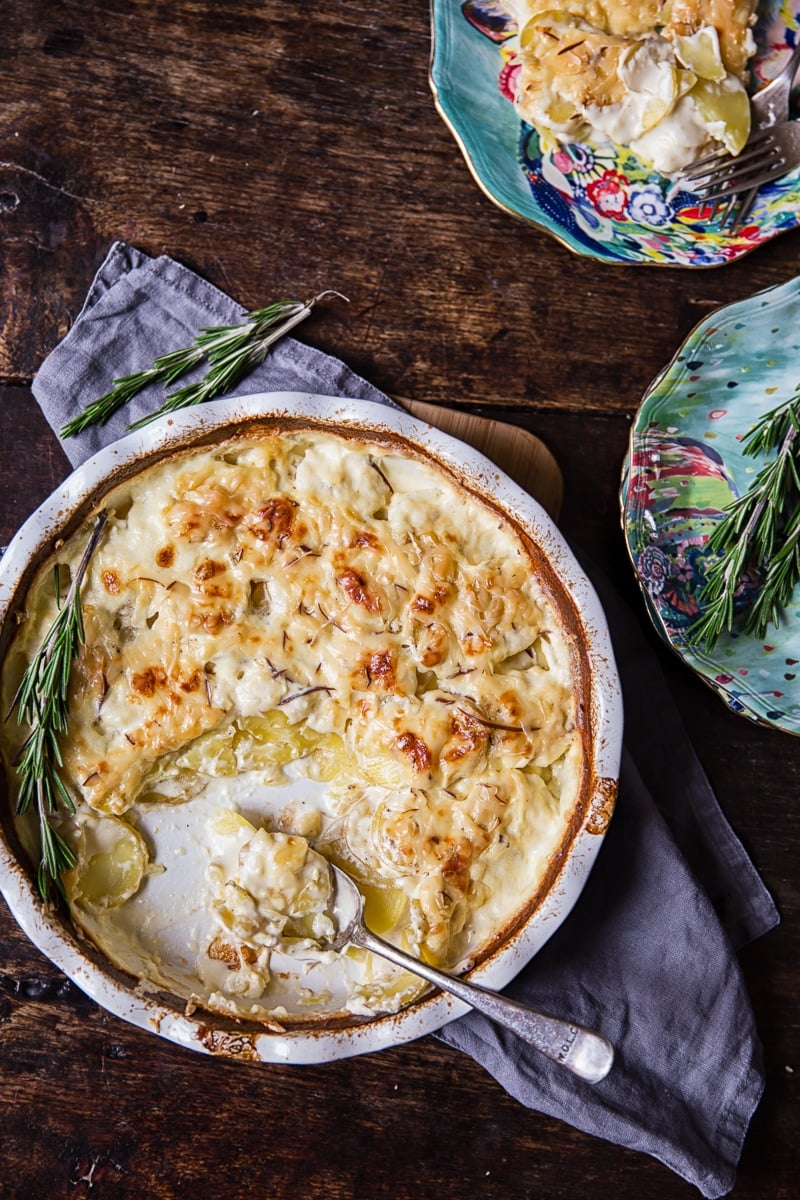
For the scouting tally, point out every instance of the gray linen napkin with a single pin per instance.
(647, 955)
(139, 307)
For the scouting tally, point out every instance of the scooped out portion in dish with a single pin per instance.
(304, 646)
(666, 79)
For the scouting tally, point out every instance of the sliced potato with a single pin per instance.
(112, 862)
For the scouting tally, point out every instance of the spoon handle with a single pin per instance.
(586, 1054)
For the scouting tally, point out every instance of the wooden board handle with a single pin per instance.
(516, 451)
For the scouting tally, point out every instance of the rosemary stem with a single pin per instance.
(89, 549)
(757, 534)
(42, 702)
(229, 350)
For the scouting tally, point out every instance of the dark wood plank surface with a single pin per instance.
(279, 150)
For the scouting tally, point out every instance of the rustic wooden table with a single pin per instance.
(281, 150)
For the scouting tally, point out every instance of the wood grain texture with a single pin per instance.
(281, 157)
(279, 150)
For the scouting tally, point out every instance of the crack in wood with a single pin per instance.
(62, 191)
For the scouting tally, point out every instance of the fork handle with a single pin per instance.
(585, 1053)
(779, 110)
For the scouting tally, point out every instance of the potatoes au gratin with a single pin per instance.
(663, 77)
(303, 647)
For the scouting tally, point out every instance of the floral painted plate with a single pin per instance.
(599, 201)
(685, 464)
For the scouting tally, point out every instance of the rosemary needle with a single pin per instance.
(760, 532)
(42, 701)
(230, 350)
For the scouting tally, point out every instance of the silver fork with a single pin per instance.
(770, 104)
(770, 154)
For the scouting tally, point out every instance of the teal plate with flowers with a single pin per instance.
(599, 201)
(685, 464)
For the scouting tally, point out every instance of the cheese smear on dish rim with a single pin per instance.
(302, 646)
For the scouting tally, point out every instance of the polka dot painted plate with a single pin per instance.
(685, 465)
(599, 201)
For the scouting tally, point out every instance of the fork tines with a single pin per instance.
(739, 209)
(719, 176)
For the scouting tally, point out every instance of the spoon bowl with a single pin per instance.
(583, 1052)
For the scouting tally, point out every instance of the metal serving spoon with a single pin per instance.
(580, 1050)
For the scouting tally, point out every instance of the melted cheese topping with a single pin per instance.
(337, 640)
(665, 78)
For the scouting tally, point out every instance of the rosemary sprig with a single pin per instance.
(230, 350)
(760, 531)
(41, 702)
(165, 369)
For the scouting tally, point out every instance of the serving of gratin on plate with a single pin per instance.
(314, 631)
(577, 116)
(665, 78)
